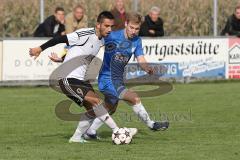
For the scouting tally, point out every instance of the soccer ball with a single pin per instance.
(121, 136)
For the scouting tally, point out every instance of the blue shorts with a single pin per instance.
(112, 90)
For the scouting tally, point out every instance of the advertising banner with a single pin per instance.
(176, 58)
(197, 58)
(234, 58)
(18, 65)
(1, 60)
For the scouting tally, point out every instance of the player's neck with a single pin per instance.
(125, 34)
(97, 32)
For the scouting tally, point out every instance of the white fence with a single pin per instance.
(183, 57)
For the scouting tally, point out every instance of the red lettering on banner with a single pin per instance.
(234, 71)
(236, 76)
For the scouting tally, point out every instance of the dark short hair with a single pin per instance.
(59, 9)
(104, 15)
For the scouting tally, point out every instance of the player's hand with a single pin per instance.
(35, 52)
(150, 70)
(54, 57)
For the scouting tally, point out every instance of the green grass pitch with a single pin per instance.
(204, 125)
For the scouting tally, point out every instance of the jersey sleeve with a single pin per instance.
(54, 41)
(78, 37)
(138, 51)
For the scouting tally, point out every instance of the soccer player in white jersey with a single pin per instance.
(82, 42)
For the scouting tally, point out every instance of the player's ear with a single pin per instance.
(126, 23)
(98, 25)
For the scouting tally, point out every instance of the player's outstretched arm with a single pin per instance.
(35, 52)
(55, 58)
(144, 65)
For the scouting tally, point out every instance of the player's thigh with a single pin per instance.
(79, 91)
(72, 89)
(131, 97)
(89, 95)
(110, 107)
(89, 108)
(92, 98)
(110, 100)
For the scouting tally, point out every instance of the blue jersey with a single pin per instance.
(118, 51)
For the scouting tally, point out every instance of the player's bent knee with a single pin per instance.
(91, 113)
(136, 100)
(95, 102)
(112, 111)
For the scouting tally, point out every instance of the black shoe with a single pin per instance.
(160, 126)
(90, 136)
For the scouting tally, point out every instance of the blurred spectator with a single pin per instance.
(232, 26)
(119, 14)
(52, 26)
(76, 19)
(153, 24)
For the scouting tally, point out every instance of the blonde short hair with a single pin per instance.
(134, 17)
(78, 6)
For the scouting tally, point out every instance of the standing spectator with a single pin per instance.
(153, 24)
(232, 26)
(119, 14)
(53, 26)
(76, 19)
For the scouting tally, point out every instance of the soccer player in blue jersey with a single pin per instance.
(119, 47)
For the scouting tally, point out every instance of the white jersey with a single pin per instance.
(83, 43)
